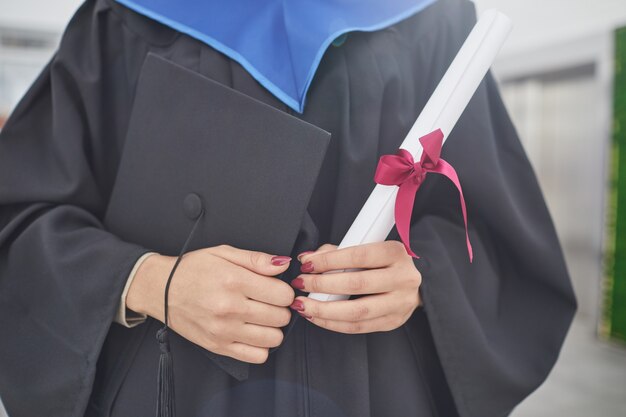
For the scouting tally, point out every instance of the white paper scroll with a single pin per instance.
(445, 106)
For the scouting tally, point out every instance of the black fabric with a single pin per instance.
(487, 336)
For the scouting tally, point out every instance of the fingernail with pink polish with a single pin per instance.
(298, 283)
(280, 260)
(307, 267)
(297, 305)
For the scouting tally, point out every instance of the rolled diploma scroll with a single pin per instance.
(445, 106)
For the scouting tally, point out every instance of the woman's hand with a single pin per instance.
(221, 298)
(390, 277)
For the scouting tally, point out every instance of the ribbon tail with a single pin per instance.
(403, 210)
(448, 171)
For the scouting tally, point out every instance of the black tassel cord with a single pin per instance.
(166, 405)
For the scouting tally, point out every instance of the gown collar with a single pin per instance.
(279, 42)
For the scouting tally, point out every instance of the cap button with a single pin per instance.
(192, 206)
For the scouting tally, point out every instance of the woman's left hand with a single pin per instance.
(389, 278)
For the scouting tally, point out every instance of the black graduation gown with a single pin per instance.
(487, 336)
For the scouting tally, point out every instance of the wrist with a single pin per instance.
(147, 290)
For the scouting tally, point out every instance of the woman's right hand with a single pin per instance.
(224, 299)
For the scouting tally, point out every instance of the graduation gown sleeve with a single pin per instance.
(88, 166)
(61, 272)
(498, 323)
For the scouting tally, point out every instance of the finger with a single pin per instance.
(378, 324)
(364, 308)
(267, 290)
(256, 312)
(370, 255)
(324, 248)
(247, 353)
(366, 281)
(260, 336)
(260, 262)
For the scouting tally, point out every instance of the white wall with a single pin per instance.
(563, 120)
(41, 15)
(544, 22)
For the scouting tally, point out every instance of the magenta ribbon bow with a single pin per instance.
(401, 170)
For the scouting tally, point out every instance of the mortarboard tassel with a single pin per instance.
(166, 406)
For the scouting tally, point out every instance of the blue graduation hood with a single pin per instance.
(279, 42)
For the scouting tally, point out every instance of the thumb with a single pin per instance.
(260, 262)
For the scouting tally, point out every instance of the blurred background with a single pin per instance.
(563, 78)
